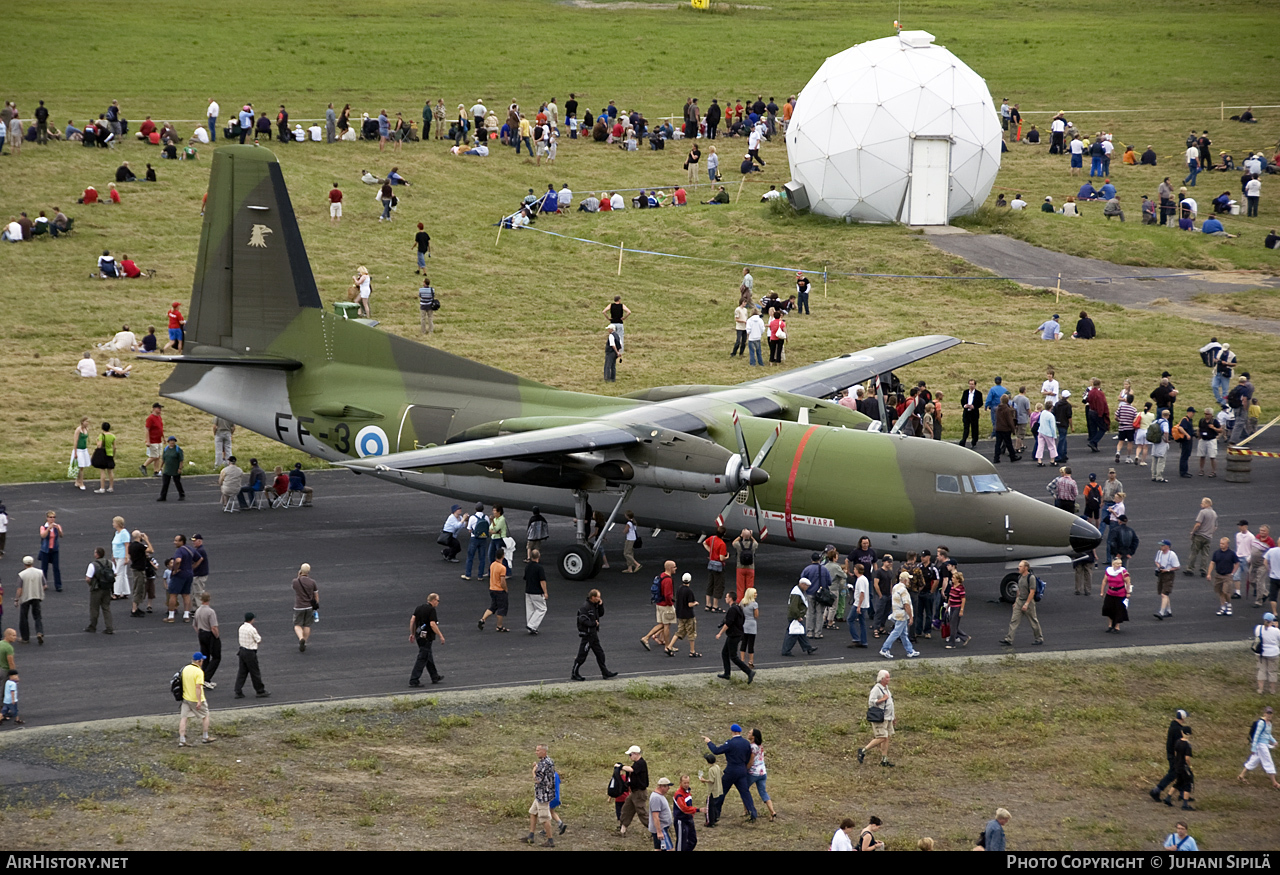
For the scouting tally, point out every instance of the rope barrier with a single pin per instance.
(858, 274)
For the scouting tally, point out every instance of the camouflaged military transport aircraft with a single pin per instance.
(263, 352)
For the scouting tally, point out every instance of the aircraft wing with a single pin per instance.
(825, 378)
(577, 438)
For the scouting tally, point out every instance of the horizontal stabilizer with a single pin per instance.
(279, 363)
(825, 378)
(581, 438)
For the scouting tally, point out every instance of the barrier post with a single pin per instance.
(619, 258)
(740, 185)
(499, 237)
(1058, 291)
(824, 281)
(1222, 111)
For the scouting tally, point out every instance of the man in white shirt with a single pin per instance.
(249, 638)
(1049, 390)
(1057, 128)
(1252, 192)
(199, 135)
(1245, 540)
(214, 109)
(616, 202)
(86, 367)
(12, 232)
(1253, 165)
(1166, 566)
(755, 331)
(564, 198)
(1017, 203)
(1272, 561)
(125, 340)
(1077, 156)
(1193, 165)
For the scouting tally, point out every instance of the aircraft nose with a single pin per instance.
(758, 477)
(1084, 537)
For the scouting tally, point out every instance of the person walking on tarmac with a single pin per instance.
(589, 636)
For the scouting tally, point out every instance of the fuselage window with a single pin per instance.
(988, 483)
(948, 483)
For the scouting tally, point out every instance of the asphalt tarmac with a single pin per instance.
(372, 548)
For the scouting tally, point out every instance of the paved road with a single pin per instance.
(372, 547)
(1102, 280)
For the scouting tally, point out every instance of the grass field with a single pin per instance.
(1069, 747)
(530, 303)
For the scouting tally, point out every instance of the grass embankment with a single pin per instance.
(532, 303)
(1063, 745)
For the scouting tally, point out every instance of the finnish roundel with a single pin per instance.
(371, 441)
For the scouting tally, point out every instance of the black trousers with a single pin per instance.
(590, 642)
(739, 343)
(453, 548)
(1004, 443)
(714, 804)
(729, 653)
(177, 482)
(1169, 777)
(211, 647)
(249, 669)
(33, 608)
(686, 834)
(1184, 459)
(424, 660)
(971, 419)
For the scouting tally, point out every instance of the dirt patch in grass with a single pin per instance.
(1062, 743)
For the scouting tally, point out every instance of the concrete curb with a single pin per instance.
(461, 698)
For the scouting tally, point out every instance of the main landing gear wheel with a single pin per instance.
(1009, 587)
(579, 563)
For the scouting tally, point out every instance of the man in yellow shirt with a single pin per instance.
(193, 701)
(497, 592)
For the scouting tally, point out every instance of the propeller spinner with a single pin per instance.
(750, 474)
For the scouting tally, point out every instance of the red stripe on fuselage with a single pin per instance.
(791, 481)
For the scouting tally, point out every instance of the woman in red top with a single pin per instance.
(777, 337)
(176, 323)
(1116, 587)
(114, 195)
(90, 196)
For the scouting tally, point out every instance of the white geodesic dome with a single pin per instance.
(853, 140)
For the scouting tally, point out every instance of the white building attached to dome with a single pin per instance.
(894, 130)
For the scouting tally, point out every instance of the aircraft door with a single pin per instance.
(421, 426)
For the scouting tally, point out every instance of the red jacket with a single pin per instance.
(1096, 400)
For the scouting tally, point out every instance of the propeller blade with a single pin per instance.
(724, 513)
(768, 445)
(763, 529)
(742, 440)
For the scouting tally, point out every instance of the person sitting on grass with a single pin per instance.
(1018, 203)
(115, 368)
(1272, 241)
(395, 178)
(721, 197)
(1107, 192)
(124, 174)
(1222, 203)
(1069, 206)
(107, 267)
(1047, 206)
(748, 166)
(1032, 137)
(1130, 157)
(87, 367)
(90, 196)
(1000, 201)
(130, 269)
(1148, 158)
(1213, 227)
(1087, 192)
(112, 193)
(1112, 208)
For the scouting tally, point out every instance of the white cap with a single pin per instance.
(687, 578)
(1066, 393)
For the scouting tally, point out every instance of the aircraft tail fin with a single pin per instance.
(252, 272)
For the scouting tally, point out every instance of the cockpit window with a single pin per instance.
(948, 483)
(988, 483)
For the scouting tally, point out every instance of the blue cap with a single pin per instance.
(197, 655)
(735, 728)
(173, 438)
(1166, 544)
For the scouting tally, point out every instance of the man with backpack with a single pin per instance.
(101, 579)
(1238, 400)
(589, 636)
(1024, 605)
(478, 543)
(1158, 437)
(662, 593)
(194, 704)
